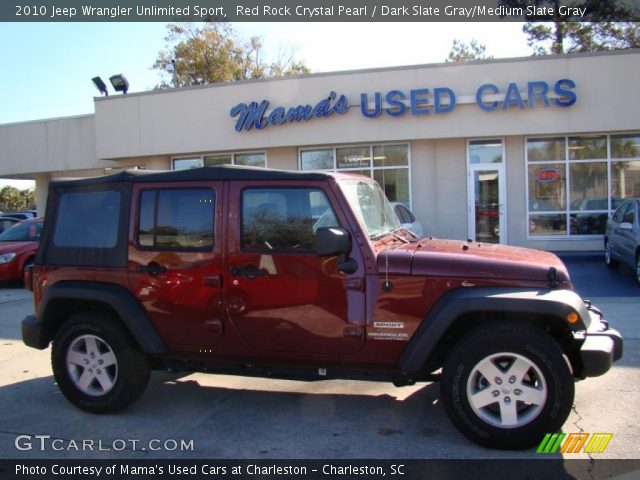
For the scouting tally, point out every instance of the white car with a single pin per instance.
(407, 219)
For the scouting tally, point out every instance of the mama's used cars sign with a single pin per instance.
(396, 103)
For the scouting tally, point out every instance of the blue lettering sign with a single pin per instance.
(419, 104)
(419, 101)
(254, 115)
(444, 106)
(567, 97)
(395, 99)
(377, 105)
(487, 107)
(537, 90)
(512, 97)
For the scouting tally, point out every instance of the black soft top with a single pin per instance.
(226, 172)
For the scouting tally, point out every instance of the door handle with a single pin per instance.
(248, 272)
(152, 268)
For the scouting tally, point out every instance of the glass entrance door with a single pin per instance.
(486, 204)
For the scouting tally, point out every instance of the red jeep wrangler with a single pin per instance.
(262, 272)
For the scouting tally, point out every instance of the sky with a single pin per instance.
(47, 67)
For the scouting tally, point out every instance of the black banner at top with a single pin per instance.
(318, 10)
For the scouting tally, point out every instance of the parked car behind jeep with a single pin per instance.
(18, 246)
(265, 272)
(622, 239)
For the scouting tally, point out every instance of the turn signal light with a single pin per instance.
(572, 317)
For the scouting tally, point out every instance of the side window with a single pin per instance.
(87, 220)
(176, 219)
(629, 214)
(284, 218)
(619, 213)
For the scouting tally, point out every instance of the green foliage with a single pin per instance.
(463, 52)
(12, 199)
(213, 53)
(556, 34)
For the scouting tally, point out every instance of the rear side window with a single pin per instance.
(176, 219)
(88, 219)
(284, 218)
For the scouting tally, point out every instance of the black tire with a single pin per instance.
(499, 343)
(638, 267)
(103, 333)
(609, 261)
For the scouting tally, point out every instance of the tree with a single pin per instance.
(463, 52)
(12, 199)
(213, 53)
(556, 33)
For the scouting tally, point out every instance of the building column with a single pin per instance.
(42, 191)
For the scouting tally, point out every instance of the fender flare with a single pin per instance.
(458, 302)
(117, 297)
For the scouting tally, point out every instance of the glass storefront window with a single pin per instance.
(485, 151)
(588, 223)
(546, 225)
(254, 159)
(353, 157)
(625, 181)
(546, 149)
(584, 184)
(250, 159)
(625, 146)
(390, 155)
(187, 163)
(547, 187)
(217, 160)
(373, 161)
(588, 186)
(316, 159)
(394, 182)
(588, 148)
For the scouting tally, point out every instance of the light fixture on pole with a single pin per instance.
(100, 85)
(120, 83)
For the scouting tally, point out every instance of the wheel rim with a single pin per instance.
(92, 365)
(638, 268)
(506, 390)
(607, 254)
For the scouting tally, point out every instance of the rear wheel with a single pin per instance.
(97, 364)
(638, 267)
(506, 386)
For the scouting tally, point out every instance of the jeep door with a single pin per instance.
(175, 261)
(281, 296)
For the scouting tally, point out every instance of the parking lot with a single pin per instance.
(234, 417)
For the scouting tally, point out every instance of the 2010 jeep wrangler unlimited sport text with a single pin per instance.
(255, 271)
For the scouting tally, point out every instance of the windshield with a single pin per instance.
(370, 206)
(22, 232)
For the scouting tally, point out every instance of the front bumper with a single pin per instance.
(33, 334)
(601, 347)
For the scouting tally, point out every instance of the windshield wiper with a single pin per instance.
(392, 233)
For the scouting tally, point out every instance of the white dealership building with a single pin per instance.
(532, 151)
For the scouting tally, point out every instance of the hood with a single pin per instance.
(17, 247)
(472, 260)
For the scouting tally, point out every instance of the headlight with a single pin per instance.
(7, 257)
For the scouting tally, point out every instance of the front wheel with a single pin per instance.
(609, 261)
(97, 364)
(506, 386)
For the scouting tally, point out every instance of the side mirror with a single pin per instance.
(626, 226)
(335, 241)
(332, 241)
